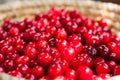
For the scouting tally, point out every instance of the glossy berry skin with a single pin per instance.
(68, 53)
(33, 63)
(45, 78)
(102, 68)
(98, 61)
(102, 22)
(105, 76)
(30, 77)
(44, 59)
(63, 63)
(61, 34)
(111, 65)
(82, 59)
(91, 51)
(31, 52)
(40, 44)
(117, 70)
(61, 44)
(84, 71)
(103, 51)
(14, 31)
(71, 74)
(38, 71)
(15, 73)
(23, 68)
(1, 70)
(28, 34)
(7, 49)
(9, 63)
(1, 58)
(22, 60)
(54, 71)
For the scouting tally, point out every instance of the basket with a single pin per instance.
(94, 9)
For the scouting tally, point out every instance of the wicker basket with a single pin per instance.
(20, 9)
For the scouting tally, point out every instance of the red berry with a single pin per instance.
(98, 61)
(40, 44)
(54, 71)
(84, 73)
(82, 59)
(111, 65)
(105, 76)
(31, 52)
(117, 70)
(61, 34)
(14, 31)
(22, 60)
(102, 22)
(15, 73)
(38, 71)
(71, 74)
(30, 77)
(1, 70)
(62, 44)
(9, 65)
(1, 58)
(23, 68)
(102, 68)
(44, 59)
(33, 63)
(45, 78)
(68, 53)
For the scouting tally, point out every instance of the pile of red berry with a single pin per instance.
(59, 44)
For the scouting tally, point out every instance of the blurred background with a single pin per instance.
(113, 1)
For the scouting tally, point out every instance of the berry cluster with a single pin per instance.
(59, 44)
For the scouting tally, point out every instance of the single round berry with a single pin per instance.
(54, 71)
(44, 59)
(111, 65)
(68, 53)
(71, 74)
(98, 61)
(102, 68)
(9, 65)
(61, 34)
(117, 70)
(84, 73)
(14, 31)
(38, 71)
(23, 68)
(22, 60)
(82, 59)
(31, 52)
